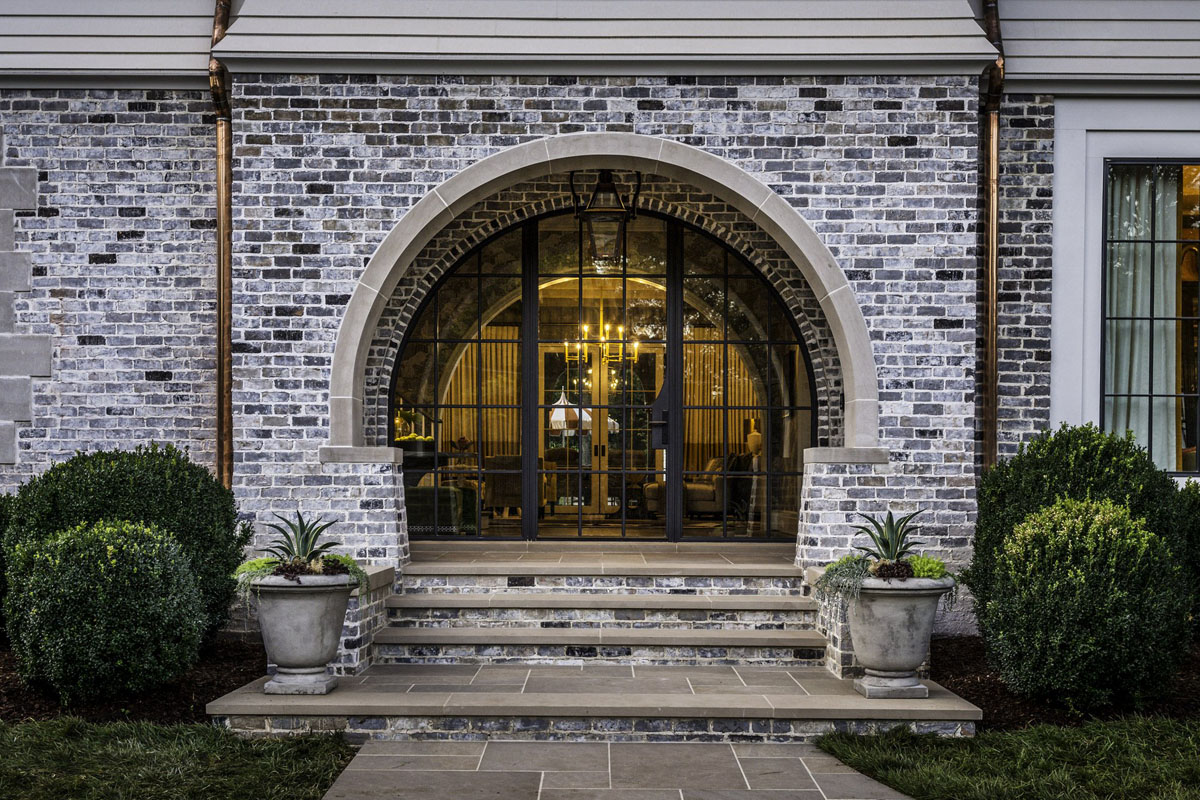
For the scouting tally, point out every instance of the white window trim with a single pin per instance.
(1086, 132)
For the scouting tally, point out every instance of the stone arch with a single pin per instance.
(551, 194)
(652, 155)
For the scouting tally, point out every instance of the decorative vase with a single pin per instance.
(301, 623)
(890, 625)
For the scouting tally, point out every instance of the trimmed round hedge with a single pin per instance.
(154, 485)
(1087, 608)
(103, 609)
(1082, 463)
(6, 501)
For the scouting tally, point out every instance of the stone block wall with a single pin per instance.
(121, 248)
(1026, 233)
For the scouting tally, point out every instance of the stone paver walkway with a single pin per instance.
(445, 770)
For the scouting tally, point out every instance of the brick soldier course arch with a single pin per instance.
(652, 155)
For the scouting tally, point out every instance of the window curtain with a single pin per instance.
(1141, 354)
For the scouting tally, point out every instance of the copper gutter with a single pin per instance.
(218, 84)
(993, 90)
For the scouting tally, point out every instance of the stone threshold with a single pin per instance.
(601, 600)
(652, 637)
(605, 567)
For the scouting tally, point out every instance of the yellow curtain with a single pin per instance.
(501, 386)
(703, 434)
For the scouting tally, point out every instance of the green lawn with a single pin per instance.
(69, 758)
(1138, 758)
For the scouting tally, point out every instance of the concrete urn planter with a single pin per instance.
(890, 625)
(301, 629)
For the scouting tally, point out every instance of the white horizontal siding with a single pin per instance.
(105, 40)
(636, 35)
(1048, 42)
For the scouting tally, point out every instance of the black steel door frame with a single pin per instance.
(531, 411)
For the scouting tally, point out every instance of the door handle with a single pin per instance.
(659, 429)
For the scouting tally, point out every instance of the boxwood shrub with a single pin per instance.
(103, 609)
(155, 485)
(1087, 607)
(1078, 462)
(6, 501)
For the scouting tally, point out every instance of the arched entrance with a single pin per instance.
(658, 390)
(858, 437)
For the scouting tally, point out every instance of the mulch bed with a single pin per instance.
(224, 665)
(960, 665)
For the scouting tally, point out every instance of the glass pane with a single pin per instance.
(703, 308)
(1166, 435)
(1127, 414)
(458, 503)
(639, 380)
(646, 245)
(746, 440)
(788, 377)
(787, 436)
(1182, 263)
(1129, 203)
(458, 308)
(501, 445)
(748, 374)
(1127, 279)
(1170, 369)
(558, 245)
(458, 438)
(1126, 357)
(654, 494)
(703, 439)
(782, 323)
(502, 500)
(1189, 433)
(457, 373)
(646, 309)
(416, 379)
(701, 254)
(502, 254)
(748, 314)
(704, 496)
(784, 492)
(558, 311)
(501, 373)
(501, 298)
(604, 310)
(703, 374)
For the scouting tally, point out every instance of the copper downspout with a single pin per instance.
(993, 91)
(218, 84)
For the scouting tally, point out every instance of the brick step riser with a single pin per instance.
(598, 654)
(578, 729)
(602, 618)
(633, 584)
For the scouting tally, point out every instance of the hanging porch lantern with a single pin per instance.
(604, 217)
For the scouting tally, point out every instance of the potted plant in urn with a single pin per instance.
(302, 593)
(892, 597)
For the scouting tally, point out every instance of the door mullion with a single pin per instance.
(530, 369)
(674, 381)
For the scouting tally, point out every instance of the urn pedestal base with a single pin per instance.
(891, 686)
(300, 683)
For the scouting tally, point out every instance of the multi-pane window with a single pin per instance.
(1152, 308)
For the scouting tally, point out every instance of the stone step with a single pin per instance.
(537, 645)
(595, 610)
(583, 582)
(637, 566)
(603, 703)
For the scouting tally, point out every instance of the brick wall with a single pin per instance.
(123, 249)
(1026, 189)
(884, 169)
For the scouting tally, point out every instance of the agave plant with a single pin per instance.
(889, 536)
(297, 542)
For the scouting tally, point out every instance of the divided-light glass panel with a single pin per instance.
(1151, 308)
(459, 402)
